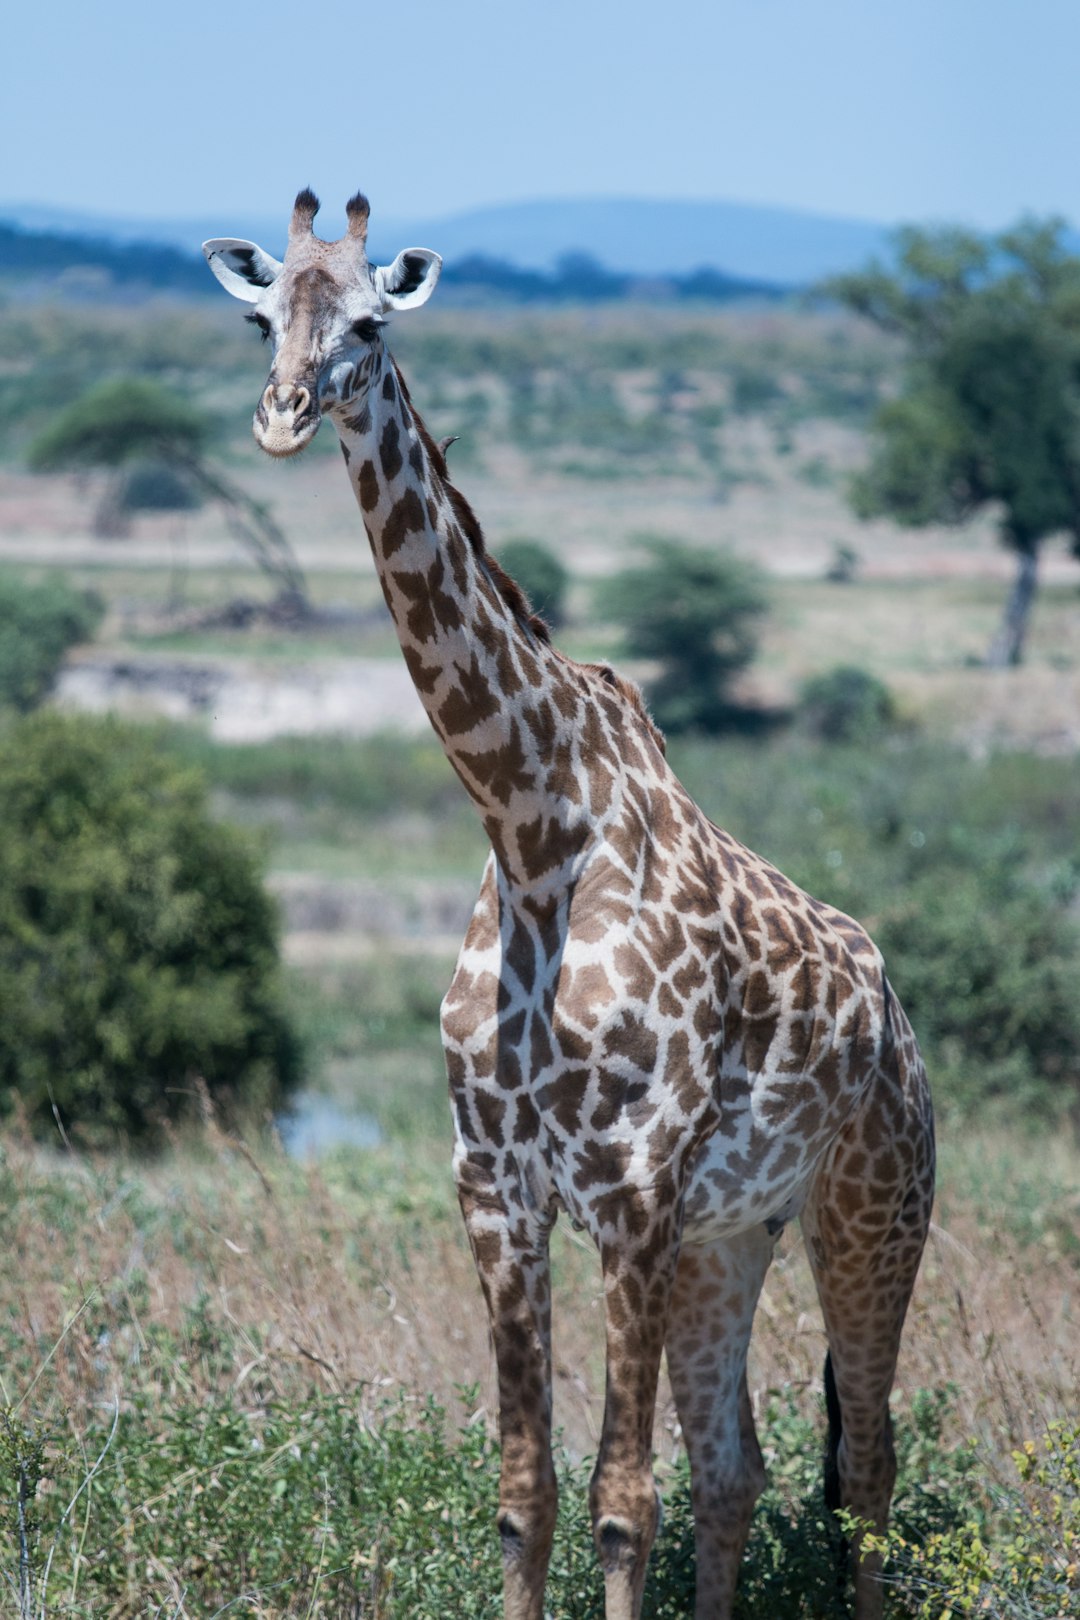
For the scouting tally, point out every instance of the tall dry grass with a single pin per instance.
(224, 1266)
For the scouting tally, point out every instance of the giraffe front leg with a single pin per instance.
(623, 1499)
(511, 1256)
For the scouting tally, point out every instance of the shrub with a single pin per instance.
(38, 623)
(313, 1509)
(985, 962)
(844, 565)
(1027, 1567)
(540, 574)
(138, 947)
(846, 704)
(694, 611)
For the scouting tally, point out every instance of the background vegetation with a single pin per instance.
(235, 1375)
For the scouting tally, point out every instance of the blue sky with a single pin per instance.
(876, 109)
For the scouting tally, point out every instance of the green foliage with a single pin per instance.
(38, 623)
(989, 413)
(24, 1463)
(313, 1509)
(138, 948)
(541, 576)
(694, 611)
(128, 420)
(383, 775)
(1024, 1566)
(985, 959)
(120, 420)
(372, 1029)
(843, 565)
(846, 704)
(155, 486)
(753, 389)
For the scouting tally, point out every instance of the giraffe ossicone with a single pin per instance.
(649, 1027)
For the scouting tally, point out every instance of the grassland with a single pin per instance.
(261, 1337)
(271, 1332)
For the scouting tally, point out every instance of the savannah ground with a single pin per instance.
(259, 1335)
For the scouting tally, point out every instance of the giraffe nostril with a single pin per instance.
(302, 402)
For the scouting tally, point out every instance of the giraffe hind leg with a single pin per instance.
(865, 1223)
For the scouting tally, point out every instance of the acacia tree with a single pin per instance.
(129, 421)
(989, 410)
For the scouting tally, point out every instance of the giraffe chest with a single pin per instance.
(573, 1070)
(629, 1067)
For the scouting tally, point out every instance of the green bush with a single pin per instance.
(312, 1509)
(1025, 1566)
(846, 704)
(986, 961)
(138, 947)
(541, 576)
(694, 611)
(38, 623)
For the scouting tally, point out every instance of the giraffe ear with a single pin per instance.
(242, 268)
(410, 280)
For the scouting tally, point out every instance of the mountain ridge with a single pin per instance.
(640, 236)
(636, 236)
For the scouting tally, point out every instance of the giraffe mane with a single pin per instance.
(508, 588)
(631, 694)
(469, 524)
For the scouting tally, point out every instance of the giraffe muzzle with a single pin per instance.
(287, 419)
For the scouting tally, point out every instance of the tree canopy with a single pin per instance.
(130, 422)
(989, 410)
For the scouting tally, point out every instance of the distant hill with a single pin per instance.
(776, 245)
(49, 263)
(632, 236)
(627, 237)
(89, 265)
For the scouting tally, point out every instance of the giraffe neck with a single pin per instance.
(529, 733)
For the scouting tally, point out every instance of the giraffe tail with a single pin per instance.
(832, 1443)
(841, 1548)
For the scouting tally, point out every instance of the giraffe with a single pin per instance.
(648, 1028)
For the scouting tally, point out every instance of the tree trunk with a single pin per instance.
(112, 520)
(251, 523)
(1007, 647)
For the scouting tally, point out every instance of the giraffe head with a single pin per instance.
(322, 311)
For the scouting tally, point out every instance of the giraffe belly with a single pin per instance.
(748, 1172)
(726, 1195)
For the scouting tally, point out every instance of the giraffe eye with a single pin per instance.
(261, 322)
(367, 329)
